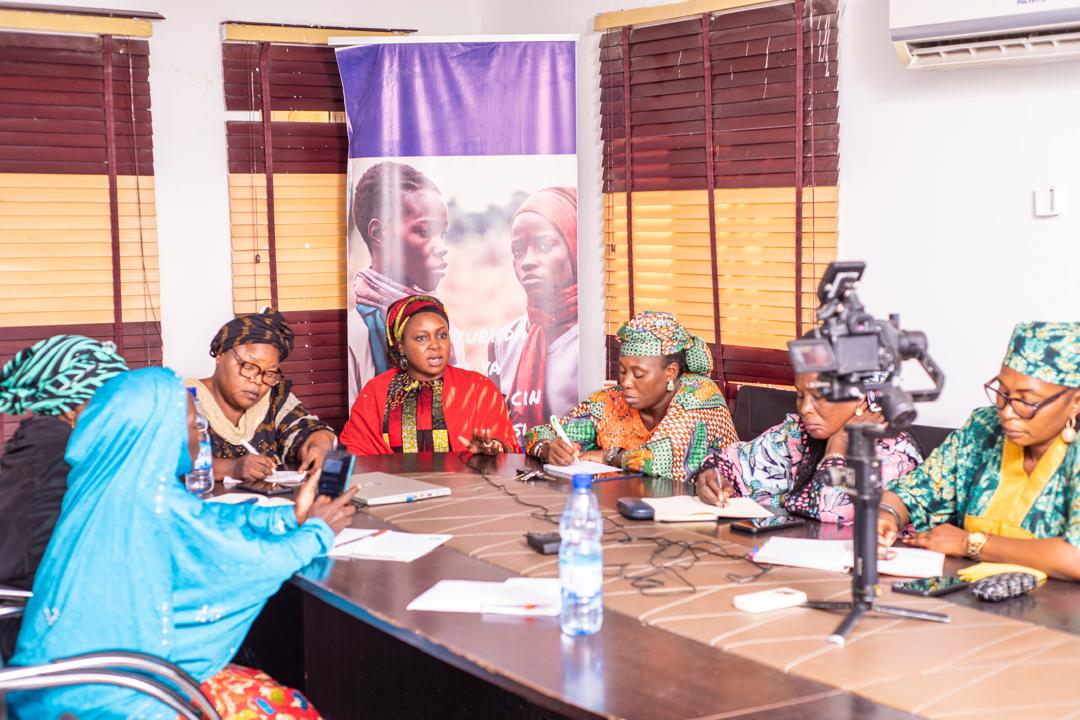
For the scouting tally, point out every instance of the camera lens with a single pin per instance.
(897, 406)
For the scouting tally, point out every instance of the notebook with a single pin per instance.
(379, 488)
(686, 508)
(582, 467)
(839, 556)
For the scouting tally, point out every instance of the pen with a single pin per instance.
(377, 533)
(251, 449)
(562, 434)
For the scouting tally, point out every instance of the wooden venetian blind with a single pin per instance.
(288, 164)
(77, 219)
(720, 164)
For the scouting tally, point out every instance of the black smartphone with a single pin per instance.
(634, 508)
(931, 586)
(264, 488)
(758, 526)
(336, 473)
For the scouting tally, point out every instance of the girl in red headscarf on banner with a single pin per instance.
(424, 404)
(535, 359)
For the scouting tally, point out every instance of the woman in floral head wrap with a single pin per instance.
(1006, 486)
(424, 404)
(663, 416)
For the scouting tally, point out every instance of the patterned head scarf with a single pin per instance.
(1047, 351)
(268, 327)
(398, 314)
(57, 374)
(656, 334)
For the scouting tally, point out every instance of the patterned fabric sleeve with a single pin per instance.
(930, 491)
(1072, 499)
(294, 425)
(579, 425)
(759, 468)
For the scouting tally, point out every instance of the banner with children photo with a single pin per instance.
(462, 185)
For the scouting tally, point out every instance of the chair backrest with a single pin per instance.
(143, 673)
(759, 408)
(929, 437)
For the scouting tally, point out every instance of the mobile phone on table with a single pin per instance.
(336, 473)
(757, 526)
(264, 488)
(615, 475)
(931, 586)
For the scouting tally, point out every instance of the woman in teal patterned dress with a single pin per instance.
(1006, 486)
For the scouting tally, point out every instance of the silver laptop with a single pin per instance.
(379, 488)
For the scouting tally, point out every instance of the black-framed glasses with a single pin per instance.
(251, 371)
(1024, 410)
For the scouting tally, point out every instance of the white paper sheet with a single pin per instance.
(466, 596)
(839, 556)
(243, 498)
(582, 467)
(526, 596)
(384, 545)
(288, 478)
(685, 508)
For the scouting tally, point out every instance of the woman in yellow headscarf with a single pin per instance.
(1006, 486)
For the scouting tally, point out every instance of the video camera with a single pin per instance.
(852, 352)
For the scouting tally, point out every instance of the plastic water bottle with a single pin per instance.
(200, 481)
(581, 561)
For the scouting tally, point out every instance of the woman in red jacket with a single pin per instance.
(425, 404)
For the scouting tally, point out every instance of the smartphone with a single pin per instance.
(931, 586)
(336, 473)
(615, 475)
(264, 488)
(758, 526)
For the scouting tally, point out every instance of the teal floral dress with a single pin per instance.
(966, 483)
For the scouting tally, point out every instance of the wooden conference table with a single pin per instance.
(365, 656)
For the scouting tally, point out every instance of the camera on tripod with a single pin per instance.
(852, 352)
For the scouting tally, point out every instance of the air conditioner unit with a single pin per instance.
(975, 33)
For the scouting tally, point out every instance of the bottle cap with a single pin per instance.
(582, 481)
(191, 391)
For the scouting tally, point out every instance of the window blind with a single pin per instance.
(288, 164)
(720, 142)
(77, 219)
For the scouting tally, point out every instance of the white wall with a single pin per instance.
(188, 107)
(936, 177)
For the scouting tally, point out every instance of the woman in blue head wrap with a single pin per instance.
(138, 563)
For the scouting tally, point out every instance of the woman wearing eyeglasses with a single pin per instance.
(248, 402)
(1006, 486)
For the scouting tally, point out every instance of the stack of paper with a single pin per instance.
(243, 498)
(384, 545)
(516, 596)
(582, 467)
(684, 508)
(839, 556)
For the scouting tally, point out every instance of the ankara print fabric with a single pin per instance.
(697, 419)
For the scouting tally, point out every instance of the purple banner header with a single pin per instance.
(469, 98)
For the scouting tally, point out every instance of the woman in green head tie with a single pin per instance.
(660, 419)
(1006, 486)
(52, 380)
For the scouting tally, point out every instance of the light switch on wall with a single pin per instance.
(1048, 201)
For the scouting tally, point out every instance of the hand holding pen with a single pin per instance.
(562, 450)
(253, 466)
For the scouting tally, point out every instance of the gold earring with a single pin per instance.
(1069, 433)
(859, 411)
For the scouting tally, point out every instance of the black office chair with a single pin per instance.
(759, 408)
(143, 673)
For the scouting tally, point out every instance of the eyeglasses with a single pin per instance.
(251, 371)
(1024, 410)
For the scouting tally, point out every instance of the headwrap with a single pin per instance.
(57, 374)
(1047, 351)
(399, 313)
(268, 327)
(656, 334)
(557, 205)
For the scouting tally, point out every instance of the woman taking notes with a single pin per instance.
(1006, 486)
(787, 466)
(424, 404)
(662, 417)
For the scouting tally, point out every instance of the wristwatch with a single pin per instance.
(976, 541)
